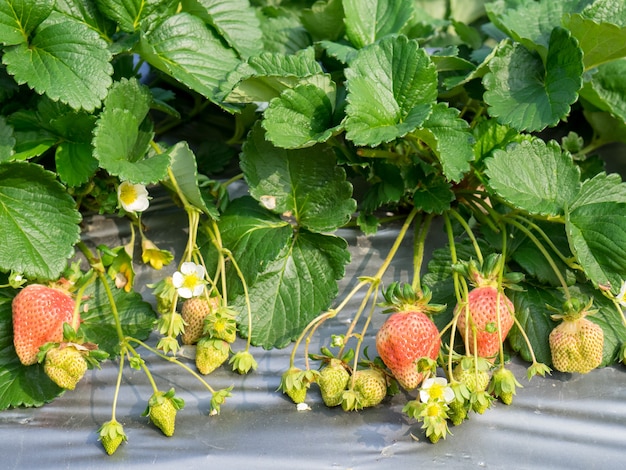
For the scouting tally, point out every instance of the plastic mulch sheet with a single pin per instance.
(561, 421)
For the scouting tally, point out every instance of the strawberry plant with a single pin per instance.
(489, 116)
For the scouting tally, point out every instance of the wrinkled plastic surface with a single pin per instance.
(561, 421)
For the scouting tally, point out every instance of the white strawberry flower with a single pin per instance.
(133, 197)
(189, 281)
(436, 389)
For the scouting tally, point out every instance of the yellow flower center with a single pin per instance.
(128, 194)
(433, 410)
(190, 281)
(435, 392)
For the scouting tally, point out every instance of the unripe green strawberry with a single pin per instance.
(332, 381)
(370, 385)
(481, 401)
(211, 353)
(65, 365)
(503, 385)
(39, 313)
(457, 411)
(111, 435)
(295, 382)
(475, 378)
(194, 311)
(161, 410)
(576, 343)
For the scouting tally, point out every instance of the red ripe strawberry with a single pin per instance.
(408, 335)
(576, 344)
(478, 320)
(39, 313)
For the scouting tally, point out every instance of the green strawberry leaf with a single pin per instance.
(20, 385)
(88, 13)
(305, 184)
(39, 221)
(235, 20)
(255, 237)
(606, 90)
(137, 317)
(66, 60)
(601, 31)
(392, 86)
(300, 117)
(525, 94)
(370, 20)
(123, 134)
(450, 138)
(183, 47)
(284, 33)
(531, 22)
(601, 188)
(128, 14)
(185, 173)
(7, 140)
(535, 177)
(294, 288)
(19, 18)
(597, 234)
(324, 20)
(265, 76)
(75, 162)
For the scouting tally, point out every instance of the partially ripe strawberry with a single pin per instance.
(39, 313)
(576, 344)
(402, 340)
(65, 365)
(478, 320)
(194, 311)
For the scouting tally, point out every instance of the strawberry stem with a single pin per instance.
(419, 245)
(545, 253)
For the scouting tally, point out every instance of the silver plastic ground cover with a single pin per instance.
(562, 421)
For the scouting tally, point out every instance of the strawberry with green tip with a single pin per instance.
(576, 344)
(408, 335)
(39, 313)
(503, 385)
(332, 381)
(211, 353)
(162, 408)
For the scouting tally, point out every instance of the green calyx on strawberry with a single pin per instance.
(408, 334)
(243, 362)
(503, 385)
(39, 313)
(486, 316)
(433, 415)
(194, 311)
(577, 343)
(295, 383)
(111, 434)
(162, 408)
(333, 380)
(221, 323)
(211, 353)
